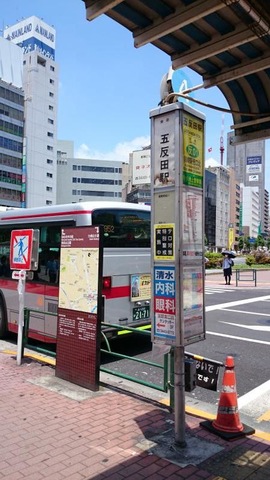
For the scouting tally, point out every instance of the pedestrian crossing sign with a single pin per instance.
(21, 244)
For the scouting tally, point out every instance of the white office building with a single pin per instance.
(81, 180)
(250, 210)
(40, 84)
(248, 161)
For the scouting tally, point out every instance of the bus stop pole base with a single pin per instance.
(179, 396)
(21, 290)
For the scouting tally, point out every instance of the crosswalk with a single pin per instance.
(219, 289)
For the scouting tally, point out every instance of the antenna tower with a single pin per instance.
(221, 145)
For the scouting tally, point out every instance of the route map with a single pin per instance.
(79, 279)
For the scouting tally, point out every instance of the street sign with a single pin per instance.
(21, 243)
(16, 275)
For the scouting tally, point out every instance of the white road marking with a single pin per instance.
(211, 308)
(249, 313)
(264, 387)
(259, 328)
(234, 337)
(253, 394)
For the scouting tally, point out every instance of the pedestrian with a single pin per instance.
(52, 269)
(227, 268)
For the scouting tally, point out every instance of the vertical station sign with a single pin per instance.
(79, 307)
(177, 143)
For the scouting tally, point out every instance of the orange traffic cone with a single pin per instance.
(227, 424)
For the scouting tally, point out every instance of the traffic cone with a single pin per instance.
(227, 424)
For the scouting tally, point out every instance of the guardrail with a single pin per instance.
(207, 370)
(243, 275)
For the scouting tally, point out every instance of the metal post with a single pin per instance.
(21, 290)
(179, 395)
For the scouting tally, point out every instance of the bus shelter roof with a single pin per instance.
(227, 42)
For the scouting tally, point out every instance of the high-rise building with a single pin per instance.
(40, 85)
(248, 161)
(11, 125)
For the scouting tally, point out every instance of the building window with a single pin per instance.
(51, 94)
(51, 68)
(51, 107)
(50, 175)
(48, 202)
(48, 189)
(50, 134)
(49, 161)
(49, 148)
(41, 61)
(50, 120)
(74, 167)
(51, 81)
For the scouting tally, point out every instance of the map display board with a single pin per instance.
(79, 307)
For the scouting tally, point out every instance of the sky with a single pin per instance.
(108, 87)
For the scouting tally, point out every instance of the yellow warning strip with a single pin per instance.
(124, 332)
(265, 417)
(209, 416)
(39, 358)
(192, 411)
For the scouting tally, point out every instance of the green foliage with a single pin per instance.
(250, 260)
(215, 260)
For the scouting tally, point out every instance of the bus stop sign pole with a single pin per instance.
(21, 292)
(177, 223)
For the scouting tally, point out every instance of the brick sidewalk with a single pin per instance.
(109, 435)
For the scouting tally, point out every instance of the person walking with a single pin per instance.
(227, 269)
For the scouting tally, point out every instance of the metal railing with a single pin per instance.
(246, 276)
(167, 383)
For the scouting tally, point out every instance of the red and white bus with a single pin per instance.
(126, 263)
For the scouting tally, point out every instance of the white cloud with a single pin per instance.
(120, 152)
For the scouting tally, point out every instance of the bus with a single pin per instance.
(126, 264)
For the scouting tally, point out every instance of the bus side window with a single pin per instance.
(4, 266)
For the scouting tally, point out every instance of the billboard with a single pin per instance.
(141, 167)
(32, 34)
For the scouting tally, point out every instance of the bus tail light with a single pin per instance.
(107, 282)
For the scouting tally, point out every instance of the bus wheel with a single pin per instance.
(3, 318)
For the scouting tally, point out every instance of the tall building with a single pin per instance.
(250, 221)
(40, 84)
(248, 161)
(11, 125)
(210, 197)
(222, 218)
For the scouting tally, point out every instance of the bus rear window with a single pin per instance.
(124, 228)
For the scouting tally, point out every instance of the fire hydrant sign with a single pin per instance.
(21, 244)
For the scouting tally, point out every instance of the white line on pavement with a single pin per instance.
(253, 394)
(249, 313)
(211, 308)
(244, 339)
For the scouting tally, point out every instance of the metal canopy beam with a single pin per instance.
(246, 68)
(217, 45)
(95, 8)
(179, 19)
